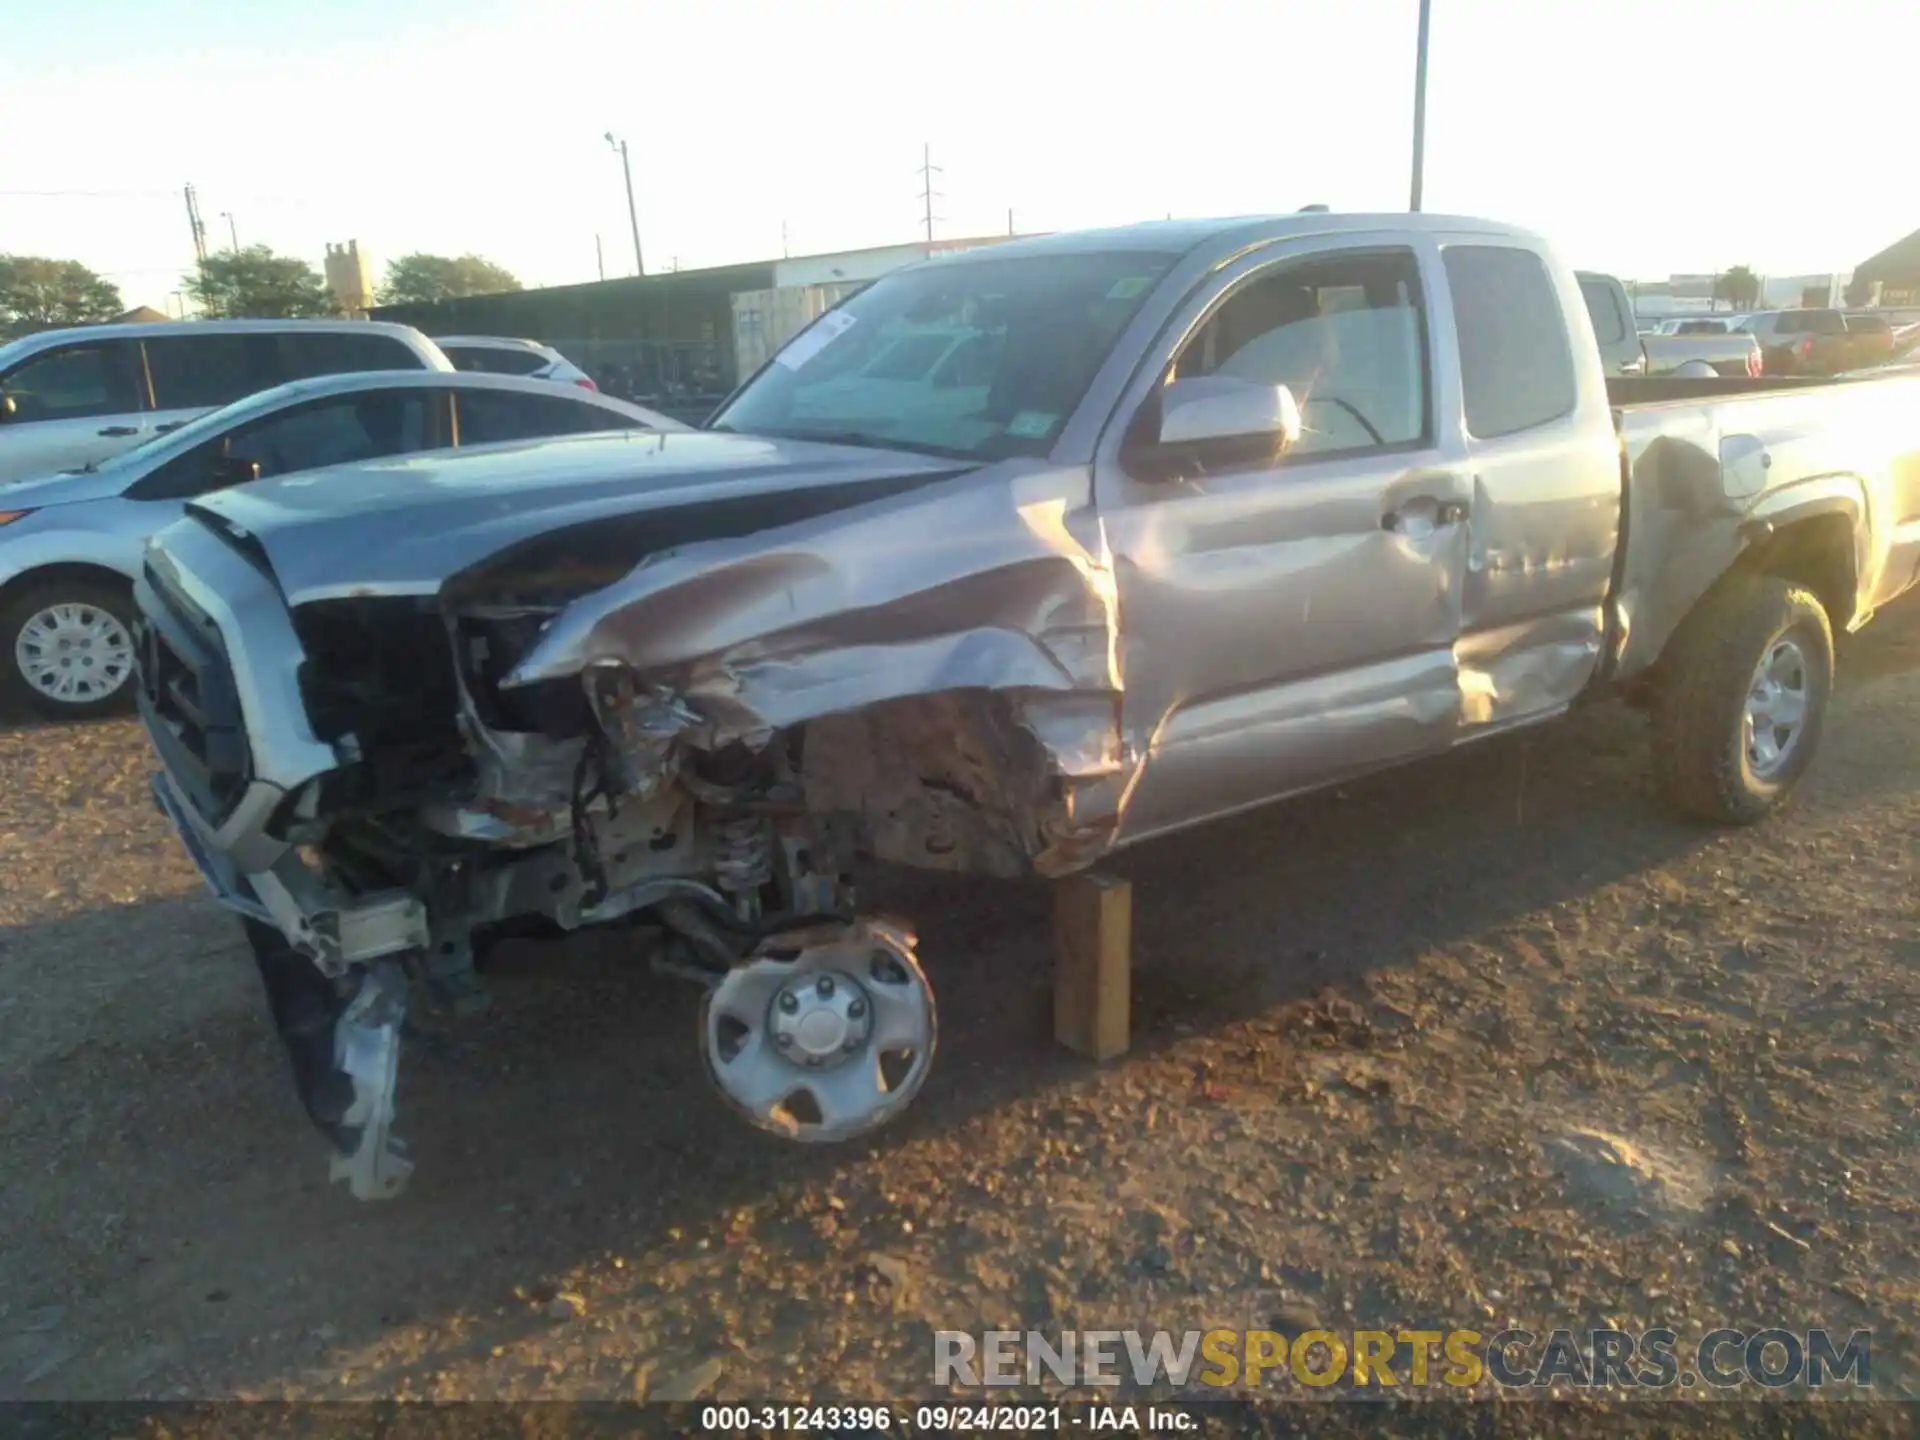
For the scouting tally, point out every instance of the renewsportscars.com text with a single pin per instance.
(1772, 1359)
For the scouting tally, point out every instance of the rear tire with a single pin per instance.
(95, 677)
(1740, 707)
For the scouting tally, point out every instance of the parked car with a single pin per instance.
(75, 397)
(494, 355)
(1247, 508)
(1871, 340)
(70, 544)
(1801, 342)
(1623, 351)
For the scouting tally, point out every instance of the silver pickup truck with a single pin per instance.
(1203, 515)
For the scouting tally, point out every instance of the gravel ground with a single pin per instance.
(1487, 1041)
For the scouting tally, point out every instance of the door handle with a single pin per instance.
(168, 429)
(121, 430)
(1445, 512)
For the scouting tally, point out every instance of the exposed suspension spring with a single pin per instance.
(743, 860)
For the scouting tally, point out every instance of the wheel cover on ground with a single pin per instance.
(74, 653)
(1775, 716)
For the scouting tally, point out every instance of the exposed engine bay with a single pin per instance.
(702, 748)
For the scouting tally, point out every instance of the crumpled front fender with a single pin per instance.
(998, 581)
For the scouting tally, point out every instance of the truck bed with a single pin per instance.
(1708, 464)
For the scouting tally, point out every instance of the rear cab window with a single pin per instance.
(1516, 360)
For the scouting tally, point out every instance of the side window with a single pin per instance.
(1788, 324)
(1603, 308)
(496, 360)
(326, 432)
(332, 352)
(202, 372)
(1516, 362)
(75, 382)
(1344, 333)
(1828, 322)
(495, 417)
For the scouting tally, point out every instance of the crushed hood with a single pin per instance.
(405, 526)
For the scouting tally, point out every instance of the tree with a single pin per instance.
(41, 294)
(1739, 287)
(420, 279)
(255, 283)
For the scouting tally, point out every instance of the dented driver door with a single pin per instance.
(1289, 620)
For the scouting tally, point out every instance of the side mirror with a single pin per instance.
(1214, 408)
(232, 470)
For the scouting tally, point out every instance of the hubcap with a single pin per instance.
(74, 653)
(1776, 711)
(825, 1035)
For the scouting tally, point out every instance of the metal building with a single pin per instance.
(678, 342)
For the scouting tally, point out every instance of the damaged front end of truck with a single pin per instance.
(700, 740)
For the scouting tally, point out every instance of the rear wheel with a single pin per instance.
(68, 649)
(1739, 711)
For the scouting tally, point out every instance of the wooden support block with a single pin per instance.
(1092, 956)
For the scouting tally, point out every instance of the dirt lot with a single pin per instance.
(1374, 1031)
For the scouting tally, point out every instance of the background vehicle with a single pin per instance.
(1697, 325)
(70, 544)
(1623, 351)
(1245, 508)
(1801, 342)
(1871, 340)
(74, 397)
(495, 355)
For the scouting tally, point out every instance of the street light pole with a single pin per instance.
(1420, 110)
(633, 215)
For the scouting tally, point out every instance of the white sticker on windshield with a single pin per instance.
(1130, 288)
(811, 341)
(1032, 424)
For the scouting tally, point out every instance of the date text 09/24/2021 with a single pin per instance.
(937, 1419)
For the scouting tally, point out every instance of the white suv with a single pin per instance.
(497, 355)
(70, 398)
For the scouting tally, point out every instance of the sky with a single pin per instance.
(1645, 137)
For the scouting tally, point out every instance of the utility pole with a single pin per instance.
(233, 234)
(927, 193)
(633, 215)
(1009, 222)
(599, 257)
(1420, 110)
(199, 229)
(786, 252)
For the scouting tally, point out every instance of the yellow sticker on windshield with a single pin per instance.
(1130, 287)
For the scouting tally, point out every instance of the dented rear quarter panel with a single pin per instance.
(1705, 477)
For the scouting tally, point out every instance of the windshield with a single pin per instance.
(982, 359)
